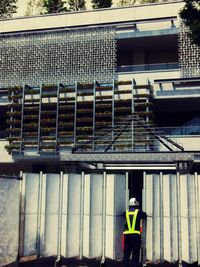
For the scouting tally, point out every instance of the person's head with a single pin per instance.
(133, 202)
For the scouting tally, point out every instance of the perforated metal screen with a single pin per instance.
(189, 55)
(65, 56)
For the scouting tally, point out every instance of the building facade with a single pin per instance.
(96, 107)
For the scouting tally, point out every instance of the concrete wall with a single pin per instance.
(190, 143)
(143, 76)
(4, 156)
(91, 17)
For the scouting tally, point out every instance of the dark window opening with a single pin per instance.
(3, 122)
(147, 53)
(135, 185)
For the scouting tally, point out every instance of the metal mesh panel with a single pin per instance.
(82, 55)
(189, 54)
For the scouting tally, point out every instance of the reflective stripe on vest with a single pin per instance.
(131, 228)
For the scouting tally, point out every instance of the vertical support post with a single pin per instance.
(57, 114)
(39, 215)
(197, 215)
(173, 86)
(65, 215)
(132, 111)
(161, 217)
(127, 191)
(113, 111)
(21, 215)
(147, 111)
(189, 211)
(153, 215)
(11, 118)
(22, 118)
(132, 100)
(39, 118)
(81, 214)
(94, 114)
(144, 222)
(160, 86)
(132, 135)
(75, 112)
(60, 217)
(147, 101)
(43, 212)
(179, 221)
(104, 219)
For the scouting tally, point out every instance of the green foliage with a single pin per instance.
(190, 15)
(132, 2)
(7, 8)
(76, 5)
(54, 6)
(148, 1)
(126, 2)
(34, 7)
(101, 3)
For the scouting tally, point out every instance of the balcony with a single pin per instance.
(181, 131)
(186, 136)
(181, 87)
(149, 67)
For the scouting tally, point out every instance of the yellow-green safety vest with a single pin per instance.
(131, 228)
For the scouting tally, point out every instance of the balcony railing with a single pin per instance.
(184, 130)
(149, 67)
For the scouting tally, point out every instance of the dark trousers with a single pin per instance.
(132, 243)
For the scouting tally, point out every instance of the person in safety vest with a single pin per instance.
(132, 235)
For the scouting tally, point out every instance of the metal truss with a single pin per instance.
(131, 134)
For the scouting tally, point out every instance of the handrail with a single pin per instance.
(149, 67)
(180, 80)
(181, 130)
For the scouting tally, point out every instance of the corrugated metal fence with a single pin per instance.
(81, 215)
(172, 204)
(72, 214)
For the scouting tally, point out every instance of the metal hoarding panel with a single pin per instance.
(188, 218)
(73, 222)
(9, 220)
(64, 216)
(171, 202)
(81, 215)
(73, 215)
(53, 191)
(87, 200)
(30, 202)
(120, 207)
(110, 211)
(96, 213)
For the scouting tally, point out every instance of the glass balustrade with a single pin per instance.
(148, 67)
